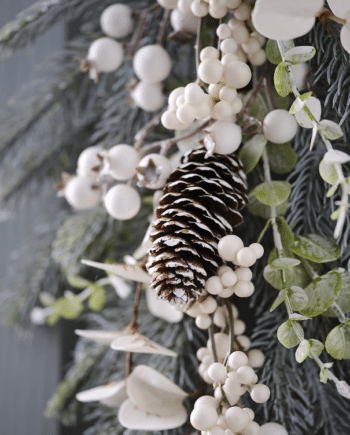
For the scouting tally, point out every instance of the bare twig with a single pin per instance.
(163, 26)
(141, 135)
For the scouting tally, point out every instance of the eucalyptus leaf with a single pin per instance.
(316, 248)
(251, 152)
(282, 80)
(316, 347)
(279, 300)
(69, 307)
(302, 351)
(322, 292)
(298, 317)
(256, 208)
(282, 157)
(338, 342)
(272, 52)
(332, 190)
(284, 263)
(330, 130)
(287, 236)
(97, 299)
(336, 156)
(328, 172)
(272, 193)
(298, 299)
(310, 114)
(299, 54)
(78, 282)
(324, 373)
(343, 300)
(289, 334)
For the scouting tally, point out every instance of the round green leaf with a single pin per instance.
(272, 193)
(316, 248)
(302, 351)
(338, 342)
(284, 263)
(273, 277)
(343, 300)
(279, 300)
(328, 172)
(256, 208)
(322, 292)
(97, 299)
(316, 347)
(69, 307)
(282, 157)
(282, 80)
(252, 151)
(289, 332)
(299, 54)
(285, 232)
(272, 52)
(297, 297)
(330, 129)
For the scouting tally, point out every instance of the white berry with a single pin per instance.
(184, 6)
(246, 257)
(245, 374)
(222, 111)
(239, 327)
(223, 31)
(203, 417)
(260, 393)
(243, 12)
(105, 55)
(219, 318)
(252, 428)
(216, 430)
(237, 359)
(80, 195)
(163, 169)
(243, 274)
(259, 58)
(87, 160)
(199, 9)
(186, 113)
(279, 126)
(227, 292)
(251, 46)
(255, 358)
(152, 63)
(237, 74)
(194, 94)
(258, 249)
(181, 21)
(228, 247)
(272, 429)
(213, 285)
(206, 400)
(122, 161)
(116, 21)
(236, 418)
(203, 321)
(228, 58)
(250, 412)
(229, 279)
(243, 289)
(209, 305)
(228, 94)
(228, 45)
(148, 96)
(167, 4)
(122, 202)
(209, 53)
(240, 34)
(202, 352)
(210, 71)
(223, 269)
(227, 137)
(217, 372)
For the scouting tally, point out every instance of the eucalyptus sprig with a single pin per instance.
(307, 111)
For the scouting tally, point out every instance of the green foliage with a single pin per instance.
(273, 53)
(282, 157)
(316, 248)
(299, 54)
(290, 334)
(287, 236)
(338, 342)
(97, 299)
(282, 80)
(343, 299)
(272, 193)
(322, 292)
(328, 172)
(298, 298)
(251, 152)
(257, 208)
(283, 263)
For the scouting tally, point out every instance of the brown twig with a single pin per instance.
(141, 135)
(137, 36)
(133, 326)
(325, 16)
(167, 143)
(163, 26)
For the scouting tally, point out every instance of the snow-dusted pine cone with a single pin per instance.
(199, 206)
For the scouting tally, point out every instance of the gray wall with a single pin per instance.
(29, 370)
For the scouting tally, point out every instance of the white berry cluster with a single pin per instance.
(152, 65)
(190, 103)
(97, 169)
(239, 42)
(105, 54)
(215, 8)
(231, 376)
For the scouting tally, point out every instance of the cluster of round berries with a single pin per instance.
(215, 8)
(152, 65)
(189, 103)
(97, 169)
(238, 42)
(105, 54)
(231, 376)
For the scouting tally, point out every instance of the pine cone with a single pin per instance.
(199, 206)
